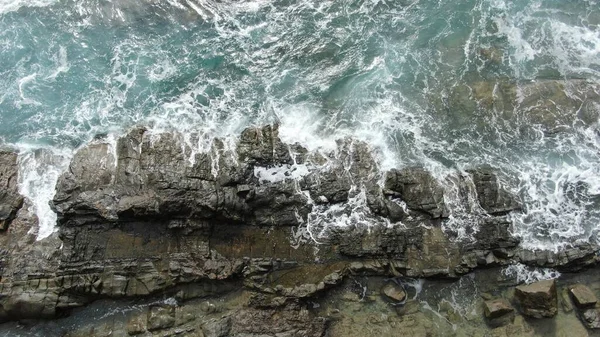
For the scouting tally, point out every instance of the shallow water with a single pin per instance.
(387, 72)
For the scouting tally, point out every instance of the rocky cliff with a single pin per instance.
(150, 215)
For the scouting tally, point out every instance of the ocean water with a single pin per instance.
(401, 75)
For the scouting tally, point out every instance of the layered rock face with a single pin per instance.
(151, 214)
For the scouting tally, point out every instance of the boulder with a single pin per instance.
(498, 312)
(394, 292)
(497, 308)
(583, 296)
(538, 299)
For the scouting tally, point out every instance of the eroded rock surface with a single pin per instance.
(150, 215)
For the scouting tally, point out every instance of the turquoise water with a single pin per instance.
(383, 71)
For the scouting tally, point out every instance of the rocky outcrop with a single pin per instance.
(150, 215)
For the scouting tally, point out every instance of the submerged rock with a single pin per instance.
(538, 299)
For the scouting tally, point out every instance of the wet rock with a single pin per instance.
(262, 146)
(591, 318)
(10, 199)
(583, 296)
(538, 299)
(161, 317)
(492, 197)
(418, 188)
(394, 292)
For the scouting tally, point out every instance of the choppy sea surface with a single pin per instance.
(435, 83)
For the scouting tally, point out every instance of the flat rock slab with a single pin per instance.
(538, 299)
(583, 296)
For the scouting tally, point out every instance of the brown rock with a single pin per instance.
(393, 292)
(538, 299)
(583, 296)
(497, 308)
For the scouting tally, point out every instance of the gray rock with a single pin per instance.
(161, 317)
(591, 318)
(136, 325)
(538, 299)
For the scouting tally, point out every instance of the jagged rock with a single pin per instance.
(393, 292)
(538, 299)
(151, 214)
(418, 188)
(591, 318)
(262, 146)
(161, 317)
(10, 199)
(583, 296)
(492, 197)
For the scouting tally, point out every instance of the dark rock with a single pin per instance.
(492, 197)
(583, 296)
(10, 199)
(418, 188)
(393, 292)
(538, 299)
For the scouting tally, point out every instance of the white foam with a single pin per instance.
(13, 5)
(280, 173)
(39, 170)
(524, 274)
